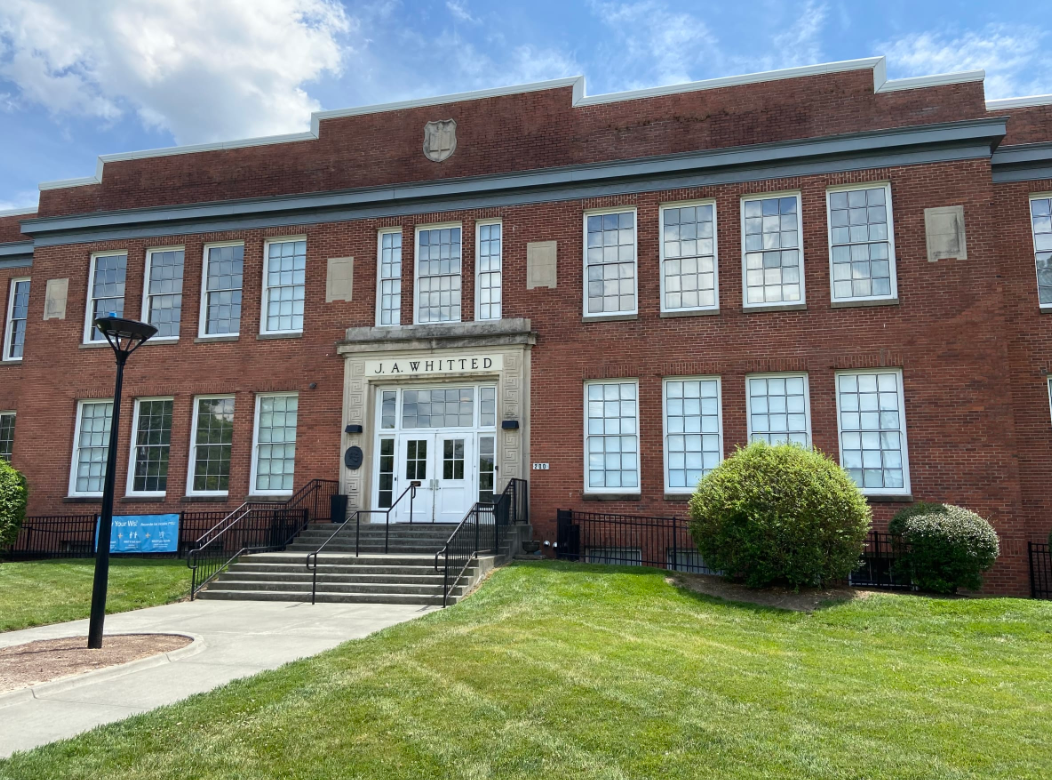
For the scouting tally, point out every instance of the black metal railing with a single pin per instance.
(481, 531)
(879, 556)
(312, 557)
(55, 536)
(1040, 556)
(257, 527)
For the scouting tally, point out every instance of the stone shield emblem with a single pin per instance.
(440, 140)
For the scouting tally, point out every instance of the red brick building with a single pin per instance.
(603, 295)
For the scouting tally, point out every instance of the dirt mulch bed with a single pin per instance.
(51, 659)
(806, 600)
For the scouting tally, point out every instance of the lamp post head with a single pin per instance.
(125, 336)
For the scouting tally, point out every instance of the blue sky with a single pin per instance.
(81, 78)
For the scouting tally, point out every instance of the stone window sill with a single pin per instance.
(143, 499)
(681, 497)
(82, 500)
(610, 318)
(775, 307)
(890, 499)
(95, 345)
(217, 499)
(209, 339)
(612, 497)
(272, 336)
(690, 313)
(864, 304)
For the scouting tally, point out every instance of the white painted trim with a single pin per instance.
(941, 80)
(129, 489)
(905, 489)
(397, 231)
(193, 447)
(891, 240)
(255, 446)
(202, 317)
(76, 445)
(778, 375)
(1048, 382)
(715, 253)
(9, 413)
(800, 232)
(638, 489)
(264, 288)
(478, 256)
(1033, 243)
(90, 307)
(146, 288)
(8, 332)
(664, 422)
(19, 212)
(1019, 102)
(584, 257)
(416, 270)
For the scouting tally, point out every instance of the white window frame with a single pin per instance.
(252, 491)
(401, 278)
(664, 423)
(1033, 243)
(416, 270)
(74, 459)
(130, 488)
(584, 260)
(478, 273)
(193, 446)
(10, 413)
(9, 331)
(89, 308)
(779, 375)
(781, 305)
(905, 490)
(715, 255)
(202, 318)
(893, 267)
(146, 287)
(264, 289)
(620, 491)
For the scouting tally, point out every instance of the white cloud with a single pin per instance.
(460, 11)
(20, 200)
(202, 70)
(1014, 57)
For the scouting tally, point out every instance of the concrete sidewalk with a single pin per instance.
(240, 638)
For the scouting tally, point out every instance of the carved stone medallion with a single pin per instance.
(440, 140)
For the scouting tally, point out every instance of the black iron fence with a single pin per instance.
(1040, 556)
(882, 551)
(54, 536)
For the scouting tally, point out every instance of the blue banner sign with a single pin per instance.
(143, 534)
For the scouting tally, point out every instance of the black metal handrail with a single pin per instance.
(480, 531)
(311, 560)
(255, 527)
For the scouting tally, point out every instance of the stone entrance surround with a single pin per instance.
(432, 355)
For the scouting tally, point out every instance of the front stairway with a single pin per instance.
(405, 574)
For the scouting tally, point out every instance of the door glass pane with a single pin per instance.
(486, 469)
(453, 459)
(416, 459)
(387, 459)
(449, 408)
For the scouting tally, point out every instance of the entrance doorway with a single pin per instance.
(444, 438)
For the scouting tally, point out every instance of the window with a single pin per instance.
(687, 561)
(611, 437)
(778, 409)
(488, 254)
(488, 410)
(284, 286)
(688, 257)
(693, 435)
(1041, 220)
(610, 263)
(438, 274)
(105, 291)
(387, 469)
(453, 459)
(487, 469)
(772, 248)
(872, 424)
(221, 302)
(163, 302)
(450, 408)
(389, 308)
(91, 441)
(615, 556)
(274, 463)
(152, 425)
(17, 317)
(7, 434)
(861, 243)
(211, 441)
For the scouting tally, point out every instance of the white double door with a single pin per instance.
(444, 465)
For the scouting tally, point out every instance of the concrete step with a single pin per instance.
(343, 559)
(370, 549)
(224, 583)
(324, 597)
(336, 576)
(325, 569)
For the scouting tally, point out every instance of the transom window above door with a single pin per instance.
(448, 407)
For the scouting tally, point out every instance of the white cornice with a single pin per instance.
(19, 212)
(1019, 102)
(876, 64)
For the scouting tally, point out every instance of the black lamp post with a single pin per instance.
(125, 336)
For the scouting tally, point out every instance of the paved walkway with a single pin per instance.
(240, 638)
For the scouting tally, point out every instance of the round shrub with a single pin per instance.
(13, 495)
(779, 514)
(947, 547)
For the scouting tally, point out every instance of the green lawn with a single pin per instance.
(572, 671)
(35, 593)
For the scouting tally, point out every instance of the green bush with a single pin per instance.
(948, 547)
(13, 495)
(779, 514)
